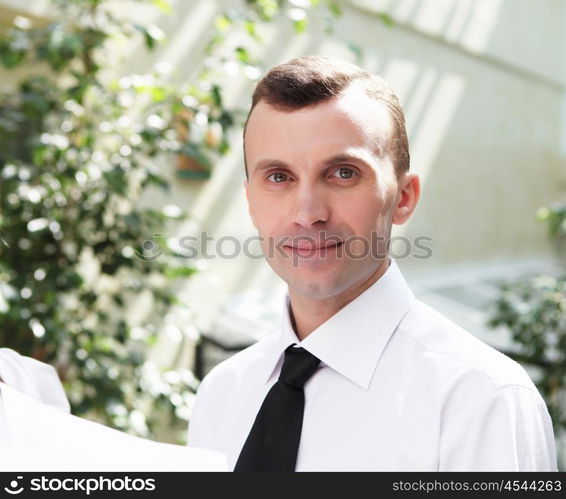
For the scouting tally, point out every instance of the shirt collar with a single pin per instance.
(352, 341)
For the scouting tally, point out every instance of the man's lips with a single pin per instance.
(306, 248)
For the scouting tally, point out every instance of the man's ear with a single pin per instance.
(407, 197)
(247, 187)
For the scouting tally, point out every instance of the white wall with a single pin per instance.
(482, 83)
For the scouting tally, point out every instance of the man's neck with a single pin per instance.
(307, 313)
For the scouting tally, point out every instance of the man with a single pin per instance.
(362, 376)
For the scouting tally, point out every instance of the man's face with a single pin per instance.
(322, 191)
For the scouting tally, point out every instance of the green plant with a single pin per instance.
(534, 310)
(555, 218)
(79, 150)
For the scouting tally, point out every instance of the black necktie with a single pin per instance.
(273, 441)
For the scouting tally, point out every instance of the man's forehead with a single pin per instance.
(353, 106)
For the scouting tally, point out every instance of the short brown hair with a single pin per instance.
(310, 80)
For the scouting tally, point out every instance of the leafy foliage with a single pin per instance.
(555, 219)
(535, 312)
(79, 150)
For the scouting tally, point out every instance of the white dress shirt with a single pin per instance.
(35, 379)
(399, 388)
(37, 433)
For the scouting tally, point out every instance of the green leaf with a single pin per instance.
(13, 50)
(222, 23)
(335, 9)
(216, 93)
(157, 180)
(152, 35)
(163, 6)
(176, 272)
(300, 25)
(386, 19)
(117, 180)
(158, 94)
(213, 43)
(242, 54)
(251, 29)
(62, 47)
(267, 9)
(38, 155)
(11, 59)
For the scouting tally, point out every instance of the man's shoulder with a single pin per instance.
(232, 370)
(442, 343)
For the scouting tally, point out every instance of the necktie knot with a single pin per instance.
(298, 366)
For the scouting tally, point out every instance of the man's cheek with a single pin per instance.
(271, 246)
(356, 247)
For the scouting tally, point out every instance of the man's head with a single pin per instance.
(307, 81)
(327, 173)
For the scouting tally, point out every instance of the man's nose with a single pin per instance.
(311, 206)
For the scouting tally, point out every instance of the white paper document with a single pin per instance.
(42, 438)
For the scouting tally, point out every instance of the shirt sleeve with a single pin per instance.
(32, 378)
(501, 429)
(198, 435)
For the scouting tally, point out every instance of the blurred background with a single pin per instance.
(127, 257)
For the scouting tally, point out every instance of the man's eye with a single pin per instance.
(345, 173)
(278, 177)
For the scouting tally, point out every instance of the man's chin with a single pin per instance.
(313, 282)
(317, 288)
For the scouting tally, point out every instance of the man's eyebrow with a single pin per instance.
(265, 164)
(344, 158)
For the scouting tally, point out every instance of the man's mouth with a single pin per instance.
(305, 248)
